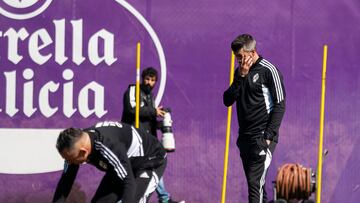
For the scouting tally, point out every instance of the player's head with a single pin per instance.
(149, 77)
(73, 145)
(243, 45)
(243, 41)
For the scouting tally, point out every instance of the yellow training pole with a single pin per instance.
(227, 142)
(322, 107)
(137, 88)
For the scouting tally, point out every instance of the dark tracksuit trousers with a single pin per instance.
(256, 156)
(146, 183)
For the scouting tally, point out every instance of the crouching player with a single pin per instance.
(132, 160)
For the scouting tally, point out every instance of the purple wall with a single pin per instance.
(196, 37)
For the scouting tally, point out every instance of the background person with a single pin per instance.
(147, 116)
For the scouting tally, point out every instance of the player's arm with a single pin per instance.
(130, 105)
(232, 93)
(277, 91)
(65, 184)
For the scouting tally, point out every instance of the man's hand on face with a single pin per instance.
(160, 112)
(246, 63)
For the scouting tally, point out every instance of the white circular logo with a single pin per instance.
(20, 5)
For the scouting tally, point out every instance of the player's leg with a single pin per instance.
(261, 155)
(147, 181)
(109, 190)
(162, 194)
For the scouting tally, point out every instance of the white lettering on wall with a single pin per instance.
(28, 94)
(34, 47)
(68, 108)
(83, 100)
(60, 57)
(77, 48)
(93, 93)
(44, 96)
(10, 77)
(57, 44)
(108, 48)
(41, 39)
(13, 37)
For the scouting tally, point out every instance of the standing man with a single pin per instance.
(132, 160)
(259, 93)
(147, 116)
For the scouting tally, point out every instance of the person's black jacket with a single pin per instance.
(260, 101)
(147, 114)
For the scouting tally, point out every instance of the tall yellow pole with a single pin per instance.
(137, 87)
(322, 109)
(227, 141)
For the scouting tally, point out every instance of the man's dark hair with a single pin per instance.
(67, 138)
(149, 71)
(245, 41)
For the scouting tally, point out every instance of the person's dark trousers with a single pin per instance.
(110, 188)
(146, 186)
(256, 156)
